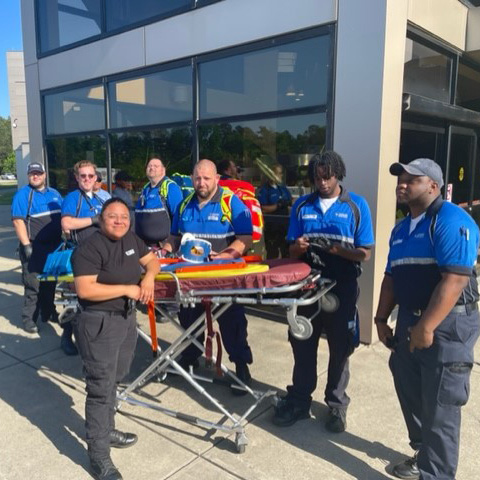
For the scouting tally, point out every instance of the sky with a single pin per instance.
(10, 39)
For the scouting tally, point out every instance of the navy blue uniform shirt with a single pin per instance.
(208, 222)
(347, 221)
(416, 260)
(43, 217)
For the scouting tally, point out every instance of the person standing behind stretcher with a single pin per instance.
(201, 214)
(80, 214)
(156, 205)
(331, 229)
(107, 280)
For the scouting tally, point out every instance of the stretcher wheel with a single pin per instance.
(241, 441)
(301, 328)
(329, 302)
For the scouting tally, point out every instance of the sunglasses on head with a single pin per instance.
(87, 175)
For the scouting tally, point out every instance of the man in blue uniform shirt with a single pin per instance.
(156, 205)
(331, 229)
(275, 199)
(202, 215)
(36, 219)
(431, 276)
(80, 219)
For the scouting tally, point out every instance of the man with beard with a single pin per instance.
(36, 219)
(218, 216)
(156, 205)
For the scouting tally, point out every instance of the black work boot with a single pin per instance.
(243, 374)
(336, 420)
(104, 469)
(407, 469)
(120, 439)
(287, 413)
(30, 326)
(66, 342)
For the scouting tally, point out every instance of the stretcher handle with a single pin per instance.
(153, 327)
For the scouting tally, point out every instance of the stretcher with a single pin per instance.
(286, 284)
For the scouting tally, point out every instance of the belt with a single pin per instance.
(467, 309)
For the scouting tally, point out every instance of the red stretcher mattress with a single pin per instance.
(281, 272)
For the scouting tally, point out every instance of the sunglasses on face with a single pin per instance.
(87, 175)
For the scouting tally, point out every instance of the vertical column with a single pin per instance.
(367, 121)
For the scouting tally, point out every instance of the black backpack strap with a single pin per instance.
(29, 207)
(79, 203)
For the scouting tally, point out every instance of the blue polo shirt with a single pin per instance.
(43, 217)
(445, 240)
(208, 222)
(154, 210)
(348, 221)
(79, 205)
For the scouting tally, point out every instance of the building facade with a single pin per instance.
(18, 112)
(270, 81)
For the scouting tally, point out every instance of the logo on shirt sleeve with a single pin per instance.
(129, 252)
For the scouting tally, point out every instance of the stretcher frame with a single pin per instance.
(313, 288)
(221, 299)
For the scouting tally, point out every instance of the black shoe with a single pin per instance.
(286, 413)
(30, 326)
(67, 345)
(122, 439)
(336, 421)
(243, 374)
(186, 363)
(407, 469)
(104, 469)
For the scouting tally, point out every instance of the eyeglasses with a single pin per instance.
(36, 174)
(87, 175)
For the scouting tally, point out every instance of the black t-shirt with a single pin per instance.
(115, 262)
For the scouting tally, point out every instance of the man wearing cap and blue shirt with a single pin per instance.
(36, 219)
(431, 276)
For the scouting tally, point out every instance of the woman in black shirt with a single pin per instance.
(107, 271)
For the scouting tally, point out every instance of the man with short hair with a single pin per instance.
(98, 188)
(156, 205)
(431, 276)
(275, 199)
(228, 170)
(80, 219)
(201, 214)
(331, 229)
(36, 220)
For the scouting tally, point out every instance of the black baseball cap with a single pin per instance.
(35, 167)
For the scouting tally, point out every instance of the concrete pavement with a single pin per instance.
(42, 402)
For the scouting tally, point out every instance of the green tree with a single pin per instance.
(6, 148)
(10, 163)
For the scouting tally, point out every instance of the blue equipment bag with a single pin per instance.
(59, 261)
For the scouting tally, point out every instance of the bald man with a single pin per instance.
(213, 214)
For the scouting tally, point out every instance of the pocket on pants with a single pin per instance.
(455, 384)
(93, 325)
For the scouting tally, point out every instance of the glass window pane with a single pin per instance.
(427, 72)
(163, 97)
(77, 110)
(130, 151)
(121, 13)
(63, 22)
(287, 76)
(63, 153)
(468, 87)
(288, 140)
